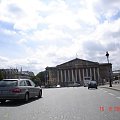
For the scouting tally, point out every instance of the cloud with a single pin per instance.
(48, 33)
(3, 59)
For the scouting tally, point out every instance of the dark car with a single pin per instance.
(14, 89)
(92, 84)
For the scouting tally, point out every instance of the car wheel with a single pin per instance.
(40, 94)
(88, 87)
(26, 99)
(2, 101)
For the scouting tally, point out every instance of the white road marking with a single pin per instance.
(118, 97)
(111, 94)
(105, 91)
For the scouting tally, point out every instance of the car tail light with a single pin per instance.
(16, 90)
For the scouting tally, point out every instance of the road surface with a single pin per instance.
(76, 103)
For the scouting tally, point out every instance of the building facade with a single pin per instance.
(9, 73)
(75, 71)
(15, 74)
(25, 74)
(116, 75)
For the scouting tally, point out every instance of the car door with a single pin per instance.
(23, 87)
(30, 89)
(35, 88)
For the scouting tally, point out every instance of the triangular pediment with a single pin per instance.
(77, 62)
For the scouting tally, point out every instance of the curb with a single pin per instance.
(111, 88)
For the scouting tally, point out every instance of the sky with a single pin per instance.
(35, 34)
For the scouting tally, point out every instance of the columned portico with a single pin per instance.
(73, 75)
(74, 71)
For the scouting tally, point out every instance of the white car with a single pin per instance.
(58, 86)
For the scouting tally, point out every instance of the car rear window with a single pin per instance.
(8, 83)
(93, 82)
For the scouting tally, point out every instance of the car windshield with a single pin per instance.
(8, 83)
(93, 82)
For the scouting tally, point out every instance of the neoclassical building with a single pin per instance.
(76, 70)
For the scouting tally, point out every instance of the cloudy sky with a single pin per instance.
(35, 34)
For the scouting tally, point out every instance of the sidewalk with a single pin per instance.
(114, 87)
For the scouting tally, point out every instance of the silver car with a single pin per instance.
(12, 89)
(92, 84)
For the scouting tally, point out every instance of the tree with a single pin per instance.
(36, 80)
(41, 77)
(1, 75)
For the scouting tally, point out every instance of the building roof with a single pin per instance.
(78, 61)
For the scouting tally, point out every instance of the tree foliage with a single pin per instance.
(1, 75)
(41, 77)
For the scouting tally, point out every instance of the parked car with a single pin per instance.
(58, 86)
(92, 84)
(13, 89)
(116, 81)
(74, 85)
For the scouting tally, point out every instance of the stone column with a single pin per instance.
(94, 74)
(61, 76)
(79, 75)
(98, 74)
(90, 72)
(83, 73)
(75, 75)
(68, 75)
(87, 72)
(65, 74)
(72, 76)
(58, 80)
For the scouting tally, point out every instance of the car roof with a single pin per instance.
(16, 79)
(92, 81)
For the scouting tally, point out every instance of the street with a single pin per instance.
(73, 103)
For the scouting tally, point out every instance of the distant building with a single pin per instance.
(76, 70)
(9, 73)
(25, 74)
(116, 74)
(14, 74)
(105, 72)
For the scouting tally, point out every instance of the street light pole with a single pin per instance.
(107, 55)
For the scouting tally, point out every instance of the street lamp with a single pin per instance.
(107, 55)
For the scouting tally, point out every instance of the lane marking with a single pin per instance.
(118, 97)
(111, 94)
(105, 91)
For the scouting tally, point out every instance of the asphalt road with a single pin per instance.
(66, 104)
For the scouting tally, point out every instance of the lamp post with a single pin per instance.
(107, 55)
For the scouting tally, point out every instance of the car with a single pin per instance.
(58, 86)
(19, 89)
(76, 85)
(92, 84)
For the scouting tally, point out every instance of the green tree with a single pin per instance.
(36, 80)
(41, 77)
(1, 75)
